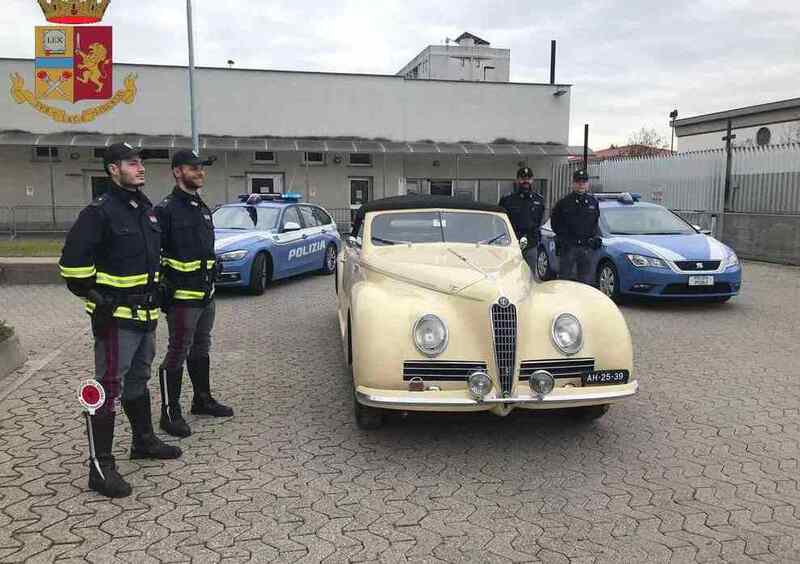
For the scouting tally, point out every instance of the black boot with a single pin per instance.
(103, 475)
(172, 421)
(145, 444)
(203, 403)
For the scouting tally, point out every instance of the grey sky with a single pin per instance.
(630, 61)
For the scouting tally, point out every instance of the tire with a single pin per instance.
(329, 262)
(608, 280)
(543, 270)
(588, 413)
(367, 418)
(260, 274)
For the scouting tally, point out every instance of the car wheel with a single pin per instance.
(608, 281)
(329, 265)
(588, 413)
(367, 417)
(259, 274)
(543, 270)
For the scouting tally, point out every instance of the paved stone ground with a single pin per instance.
(701, 466)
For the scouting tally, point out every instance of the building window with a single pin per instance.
(360, 159)
(264, 157)
(313, 158)
(155, 154)
(441, 187)
(99, 152)
(45, 153)
(763, 136)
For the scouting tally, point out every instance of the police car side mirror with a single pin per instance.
(353, 242)
(291, 226)
(701, 230)
(523, 243)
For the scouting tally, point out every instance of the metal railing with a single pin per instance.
(17, 221)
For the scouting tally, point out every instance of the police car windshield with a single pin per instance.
(246, 217)
(439, 227)
(632, 220)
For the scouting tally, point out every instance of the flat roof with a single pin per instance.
(791, 103)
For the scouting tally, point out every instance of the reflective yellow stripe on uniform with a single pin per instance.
(77, 271)
(123, 281)
(123, 312)
(186, 266)
(189, 295)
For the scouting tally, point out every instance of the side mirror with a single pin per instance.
(523, 243)
(701, 230)
(353, 242)
(291, 226)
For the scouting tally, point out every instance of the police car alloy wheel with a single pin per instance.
(329, 267)
(543, 265)
(607, 281)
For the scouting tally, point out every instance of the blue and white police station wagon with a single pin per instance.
(267, 237)
(649, 250)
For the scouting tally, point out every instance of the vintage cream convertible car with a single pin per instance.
(438, 311)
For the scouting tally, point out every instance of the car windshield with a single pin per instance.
(246, 217)
(632, 220)
(439, 227)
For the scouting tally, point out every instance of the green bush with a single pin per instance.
(5, 331)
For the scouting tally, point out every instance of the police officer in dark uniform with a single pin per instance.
(111, 260)
(188, 290)
(525, 209)
(574, 220)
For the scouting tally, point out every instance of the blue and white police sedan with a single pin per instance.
(649, 250)
(267, 237)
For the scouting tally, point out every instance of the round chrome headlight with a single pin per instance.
(430, 335)
(567, 333)
(479, 385)
(542, 382)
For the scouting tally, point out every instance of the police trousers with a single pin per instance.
(575, 263)
(122, 361)
(189, 333)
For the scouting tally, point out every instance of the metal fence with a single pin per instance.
(763, 180)
(17, 221)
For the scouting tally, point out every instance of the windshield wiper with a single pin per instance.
(388, 241)
(493, 239)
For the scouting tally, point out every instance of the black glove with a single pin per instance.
(595, 243)
(103, 313)
(164, 296)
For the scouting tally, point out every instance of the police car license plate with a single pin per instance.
(701, 281)
(605, 377)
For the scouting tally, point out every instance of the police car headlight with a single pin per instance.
(567, 333)
(642, 261)
(731, 260)
(232, 255)
(430, 335)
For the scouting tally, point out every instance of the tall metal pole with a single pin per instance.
(586, 147)
(552, 61)
(729, 136)
(193, 114)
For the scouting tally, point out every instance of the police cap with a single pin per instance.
(119, 152)
(580, 176)
(525, 172)
(190, 158)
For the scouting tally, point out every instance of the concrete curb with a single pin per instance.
(29, 271)
(11, 356)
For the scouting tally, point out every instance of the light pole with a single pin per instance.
(673, 116)
(193, 109)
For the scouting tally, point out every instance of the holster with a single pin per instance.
(103, 313)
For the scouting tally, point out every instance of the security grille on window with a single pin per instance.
(313, 158)
(360, 159)
(46, 153)
(151, 154)
(763, 136)
(264, 157)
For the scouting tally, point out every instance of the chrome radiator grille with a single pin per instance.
(504, 324)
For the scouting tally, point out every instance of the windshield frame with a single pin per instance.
(440, 212)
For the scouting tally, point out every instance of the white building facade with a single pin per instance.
(337, 139)
(468, 58)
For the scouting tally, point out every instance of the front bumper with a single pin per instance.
(234, 273)
(658, 283)
(460, 400)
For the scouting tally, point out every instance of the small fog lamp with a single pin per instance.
(479, 385)
(542, 382)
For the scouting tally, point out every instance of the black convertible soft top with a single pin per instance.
(420, 201)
